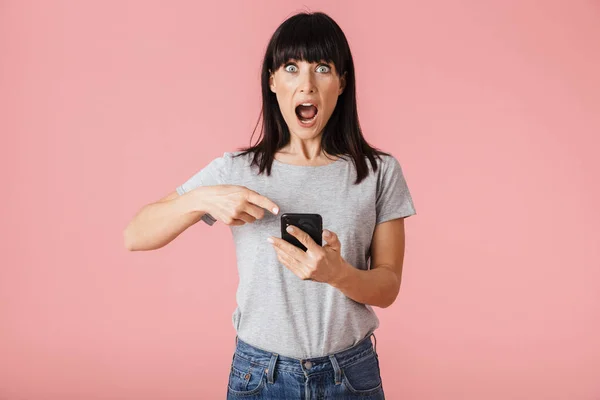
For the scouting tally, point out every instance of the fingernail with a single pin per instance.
(326, 233)
(290, 229)
(270, 240)
(275, 210)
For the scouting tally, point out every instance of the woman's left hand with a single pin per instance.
(317, 263)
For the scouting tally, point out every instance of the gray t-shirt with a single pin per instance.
(276, 310)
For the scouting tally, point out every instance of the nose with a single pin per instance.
(307, 84)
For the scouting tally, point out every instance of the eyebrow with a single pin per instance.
(316, 62)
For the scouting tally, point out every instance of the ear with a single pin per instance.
(271, 82)
(342, 84)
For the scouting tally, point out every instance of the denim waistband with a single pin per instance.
(335, 361)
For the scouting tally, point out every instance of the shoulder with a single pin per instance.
(385, 164)
(229, 158)
(221, 167)
(236, 158)
(234, 154)
(389, 160)
(236, 163)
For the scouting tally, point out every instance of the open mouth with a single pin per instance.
(306, 113)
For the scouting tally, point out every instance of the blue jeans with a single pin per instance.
(350, 374)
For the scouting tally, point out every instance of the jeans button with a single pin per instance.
(308, 365)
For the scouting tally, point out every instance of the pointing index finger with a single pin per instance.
(263, 202)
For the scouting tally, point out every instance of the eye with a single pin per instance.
(324, 68)
(290, 65)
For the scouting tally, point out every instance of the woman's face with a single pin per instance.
(300, 82)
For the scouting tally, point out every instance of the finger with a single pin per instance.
(302, 237)
(262, 201)
(332, 239)
(247, 218)
(292, 264)
(256, 211)
(290, 249)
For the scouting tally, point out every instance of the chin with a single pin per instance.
(306, 135)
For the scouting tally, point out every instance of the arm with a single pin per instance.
(380, 285)
(157, 224)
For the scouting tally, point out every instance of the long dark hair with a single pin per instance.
(312, 37)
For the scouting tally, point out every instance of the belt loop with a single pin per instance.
(271, 369)
(336, 369)
(375, 346)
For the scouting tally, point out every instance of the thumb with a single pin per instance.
(332, 240)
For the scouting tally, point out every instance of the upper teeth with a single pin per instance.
(307, 104)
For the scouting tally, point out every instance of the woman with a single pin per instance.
(304, 318)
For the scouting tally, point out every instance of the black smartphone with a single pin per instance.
(309, 223)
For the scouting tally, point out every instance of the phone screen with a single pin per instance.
(308, 222)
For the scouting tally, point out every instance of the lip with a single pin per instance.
(310, 124)
(313, 102)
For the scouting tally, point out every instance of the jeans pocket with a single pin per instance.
(363, 376)
(245, 377)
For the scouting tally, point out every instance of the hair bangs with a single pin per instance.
(308, 38)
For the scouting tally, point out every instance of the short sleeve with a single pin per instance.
(393, 197)
(214, 173)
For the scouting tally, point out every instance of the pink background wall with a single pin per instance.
(493, 109)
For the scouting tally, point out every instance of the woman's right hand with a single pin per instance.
(233, 204)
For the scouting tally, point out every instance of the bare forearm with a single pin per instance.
(157, 224)
(377, 287)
